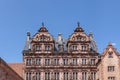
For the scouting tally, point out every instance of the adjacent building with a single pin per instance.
(7, 73)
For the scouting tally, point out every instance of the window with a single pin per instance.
(110, 55)
(47, 76)
(83, 47)
(111, 78)
(92, 62)
(74, 76)
(37, 75)
(29, 61)
(28, 76)
(37, 61)
(42, 38)
(47, 62)
(65, 75)
(84, 61)
(84, 75)
(56, 76)
(38, 47)
(47, 47)
(56, 62)
(74, 61)
(74, 47)
(65, 61)
(93, 75)
(111, 68)
(79, 38)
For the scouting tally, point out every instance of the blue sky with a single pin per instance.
(102, 17)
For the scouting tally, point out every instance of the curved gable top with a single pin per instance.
(43, 28)
(43, 34)
(79, 34)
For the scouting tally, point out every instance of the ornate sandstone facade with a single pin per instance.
(46, 58)
(75, 58)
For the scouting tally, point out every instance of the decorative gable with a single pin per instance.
(110, 50)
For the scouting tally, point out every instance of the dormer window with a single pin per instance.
(40, 38)
(110, 54)
(47, 47)
(79, 38)
(38, 47)
(83, 47)
(74, 47)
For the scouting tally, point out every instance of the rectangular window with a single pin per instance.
(65, 61)
(84, 61)
(56, 76)
(37, 75)
(83, 47)
(92, 62)
(84, 76)
(28, 76)
(111, 68)
(56, 62)
(74, 61)
(38, 47)
(47, 47)
(111, 78)
(47, 76)
(65, 75)
(28, 61)
(93, 75)
(47, 62)
(37, 61)
(74, 76)
(74, 47)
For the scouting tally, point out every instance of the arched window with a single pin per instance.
(110, 54)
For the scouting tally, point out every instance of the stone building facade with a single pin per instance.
(47, 58)
(75, 58)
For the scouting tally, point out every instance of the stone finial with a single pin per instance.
(91, 34)
(43, 28)
(28, 36)
(78, 24)
(59, 37)
(28, 33)
(42, 24)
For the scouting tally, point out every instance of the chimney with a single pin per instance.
(59, 37)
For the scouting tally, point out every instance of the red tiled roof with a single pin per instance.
(17, 67)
